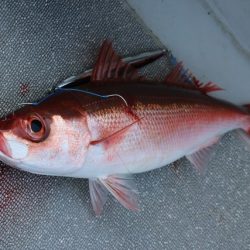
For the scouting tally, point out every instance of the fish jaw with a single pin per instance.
(4, 146)
(61, 152)
(12, 151)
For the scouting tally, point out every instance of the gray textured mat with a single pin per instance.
(43, 42)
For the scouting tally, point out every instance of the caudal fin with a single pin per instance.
(244, 133)
(247, 127)
(247, 107)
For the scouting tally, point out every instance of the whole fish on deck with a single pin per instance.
(140, 125)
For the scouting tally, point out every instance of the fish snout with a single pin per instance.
(4, 146)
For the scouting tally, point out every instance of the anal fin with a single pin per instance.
(200, 157)
(121, 187)
(244, 136)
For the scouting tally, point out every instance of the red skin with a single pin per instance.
(158, 121)
(170, 118)
(72, 104)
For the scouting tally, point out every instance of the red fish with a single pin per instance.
(117, 125)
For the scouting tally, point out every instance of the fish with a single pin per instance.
(117, 125)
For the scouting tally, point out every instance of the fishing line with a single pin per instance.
(76, 90)
(96, 94)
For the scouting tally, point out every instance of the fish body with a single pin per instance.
(135, 126)
(170, 123)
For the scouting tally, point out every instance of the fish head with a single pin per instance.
(45, 139)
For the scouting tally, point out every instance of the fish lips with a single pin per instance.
(4, 146)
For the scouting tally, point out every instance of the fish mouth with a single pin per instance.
(4, 146)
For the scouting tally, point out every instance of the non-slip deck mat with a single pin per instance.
(44, 42)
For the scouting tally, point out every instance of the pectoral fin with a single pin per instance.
(121, 187)
(114, 137)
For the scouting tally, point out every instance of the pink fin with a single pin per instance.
(98, 195)
(123, 189)
(110, 66)
(201, 157)
(247, 106)
(177, 74)
(205, 87)
(247, 126)
(245, 137)
(183, 78)
(115, 136)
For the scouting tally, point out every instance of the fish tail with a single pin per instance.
(244, 133)
(247, 107)
(247, 126)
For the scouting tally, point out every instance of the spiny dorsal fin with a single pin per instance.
(183, 78)
(110, 66)
(121, 187)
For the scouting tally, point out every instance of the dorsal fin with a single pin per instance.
(183, 78)
(110, 66)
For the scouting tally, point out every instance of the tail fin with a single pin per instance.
(244, 133)
(247, 108)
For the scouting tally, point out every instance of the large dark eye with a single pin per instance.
(36, 126)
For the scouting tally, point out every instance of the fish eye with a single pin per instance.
(36, 126)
